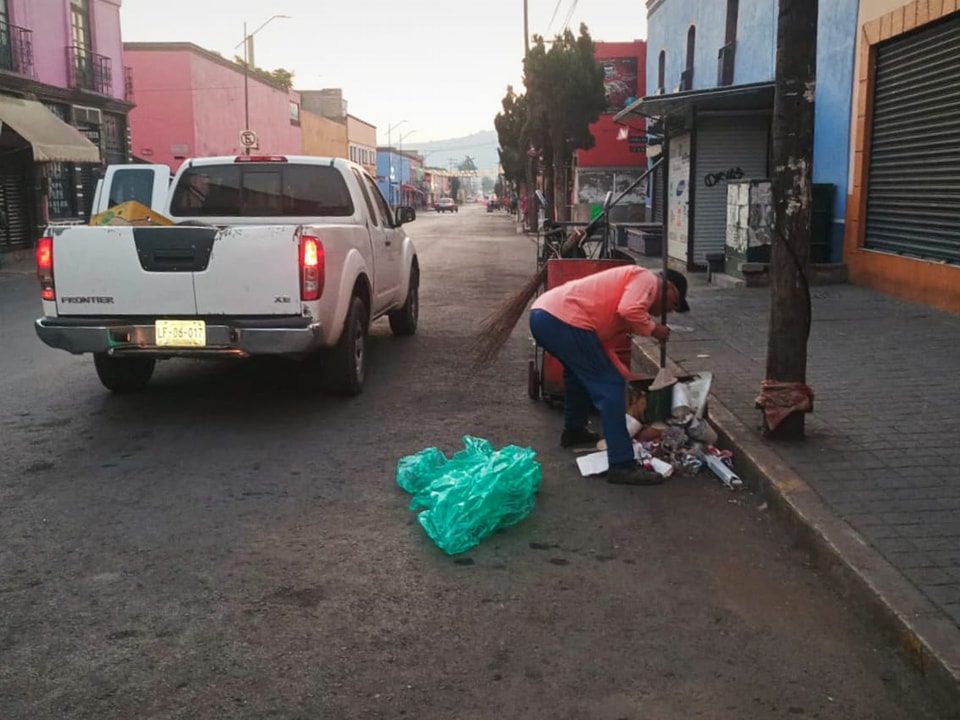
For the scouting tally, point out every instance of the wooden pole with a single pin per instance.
(793, 119)
(664, 250)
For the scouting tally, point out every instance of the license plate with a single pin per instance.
(181, 333)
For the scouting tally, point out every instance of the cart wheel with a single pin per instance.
(533, 380)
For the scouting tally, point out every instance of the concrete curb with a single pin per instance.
(924, 634)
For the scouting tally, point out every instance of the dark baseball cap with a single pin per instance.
(679, 281)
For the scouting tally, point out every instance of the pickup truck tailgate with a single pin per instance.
(116, 271)
(253, 270)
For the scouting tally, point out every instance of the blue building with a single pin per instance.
(399, 174)
(710, 71)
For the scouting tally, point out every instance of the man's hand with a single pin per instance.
(661, 333)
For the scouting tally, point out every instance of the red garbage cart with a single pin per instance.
(544, 372)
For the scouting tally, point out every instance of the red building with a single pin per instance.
(614, 162)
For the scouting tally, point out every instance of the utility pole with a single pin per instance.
(793, 118)
(531, 219)
(248, 60)
(526, 30)
(391, 197)
(246, 83)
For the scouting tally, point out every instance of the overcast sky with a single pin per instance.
(442, 66)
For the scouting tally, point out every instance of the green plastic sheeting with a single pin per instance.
(471, 495)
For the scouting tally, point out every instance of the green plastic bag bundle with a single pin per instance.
(471, 495)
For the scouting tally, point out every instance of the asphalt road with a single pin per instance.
(225, 545)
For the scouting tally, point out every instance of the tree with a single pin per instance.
(283, 76)
(455, 188)
(511, 125)
(486, 184)
(468, 165)
(280, 76)
(565, 94)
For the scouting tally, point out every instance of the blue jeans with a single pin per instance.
(589, 378)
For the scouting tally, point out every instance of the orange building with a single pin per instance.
(903, 212)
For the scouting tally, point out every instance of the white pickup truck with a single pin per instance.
(270, 255)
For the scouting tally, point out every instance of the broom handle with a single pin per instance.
(663, 247)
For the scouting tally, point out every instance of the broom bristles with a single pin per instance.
(496, 328)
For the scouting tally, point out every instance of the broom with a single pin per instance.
(496, 328)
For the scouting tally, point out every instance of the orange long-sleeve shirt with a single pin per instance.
(611, 303)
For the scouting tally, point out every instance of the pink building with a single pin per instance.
(190, 103)
(59, 58)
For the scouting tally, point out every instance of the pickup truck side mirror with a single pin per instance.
(405, 214)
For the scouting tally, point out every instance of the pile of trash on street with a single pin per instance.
(670, 433)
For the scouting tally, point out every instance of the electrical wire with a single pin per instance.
(566, 22)
(553, 17)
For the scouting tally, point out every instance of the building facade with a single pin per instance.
(322, 136)
(191, 104)
(399, 174)
(616, 160)
(362, 141)
(64, 99)
(710, 71)
(903, 212)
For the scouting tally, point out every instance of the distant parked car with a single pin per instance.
(447, 205)
(493, 203)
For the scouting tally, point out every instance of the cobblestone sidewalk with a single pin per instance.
(884, 441)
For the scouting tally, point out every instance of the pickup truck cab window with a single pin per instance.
(366, 197)
(132, 184)
(385, 213)
(262, 190)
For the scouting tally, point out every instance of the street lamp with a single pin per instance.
(400, 152)
(247, 62)
(390, 129)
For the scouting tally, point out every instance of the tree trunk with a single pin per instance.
(548, 182)
(792, 197)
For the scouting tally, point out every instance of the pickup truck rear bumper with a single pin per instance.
(231, 338)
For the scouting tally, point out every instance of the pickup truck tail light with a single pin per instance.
(312, 267)
(45, 268)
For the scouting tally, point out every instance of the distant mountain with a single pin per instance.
(481, 146)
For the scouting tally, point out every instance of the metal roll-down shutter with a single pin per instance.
(913, 191)
(724, 143)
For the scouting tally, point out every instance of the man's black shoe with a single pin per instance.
(578, 438)
(633, 473)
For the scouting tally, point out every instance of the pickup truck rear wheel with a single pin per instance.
(123, 375)
(347, 362)
(403, 322)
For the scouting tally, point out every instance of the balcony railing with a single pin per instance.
(128, 84)
(16, 49)
(686, 80)
(88, 71)
(725, 64)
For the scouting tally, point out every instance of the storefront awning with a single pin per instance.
(757, 96)
(412, 188)
(50, 137)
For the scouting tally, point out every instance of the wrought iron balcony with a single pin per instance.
(128, 84)
(16, 49)
(89, 71)
(725, 64)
